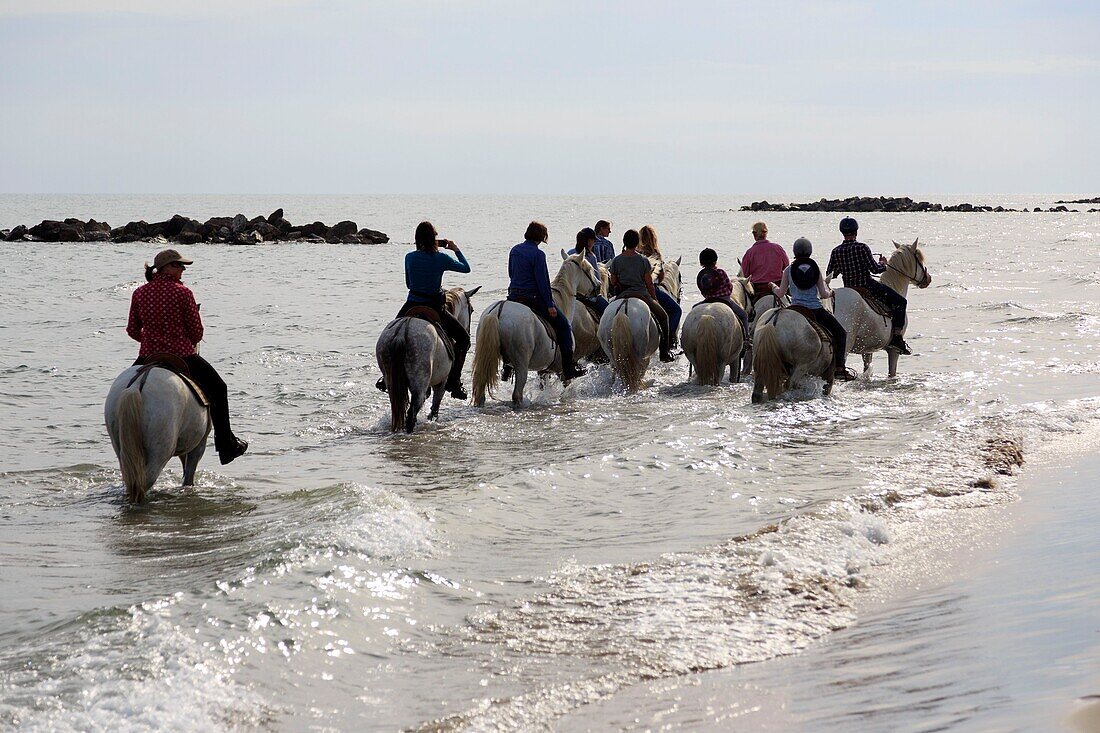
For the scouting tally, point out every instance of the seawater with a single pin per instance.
(500, 568)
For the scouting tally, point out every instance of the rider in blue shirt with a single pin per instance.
(529, 283)
(586, 241)
(424, 268)
(603, 248)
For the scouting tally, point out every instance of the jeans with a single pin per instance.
(454, 330)
(890, 297)
(674, 311)
(840, 337)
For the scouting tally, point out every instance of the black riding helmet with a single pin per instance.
(848, 225)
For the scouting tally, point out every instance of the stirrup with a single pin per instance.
(458, 392)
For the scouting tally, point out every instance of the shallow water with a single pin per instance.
(499, 568)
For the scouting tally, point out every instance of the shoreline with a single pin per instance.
(996, 629)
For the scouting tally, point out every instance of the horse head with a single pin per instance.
(669, 277)
(577, 272)
(460, 305)
(908, 260)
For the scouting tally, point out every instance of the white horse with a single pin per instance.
(629, 337)
(511, 332)
(869, 332)
(787, 350)
(149, 422)
(586, 343)
(414, 360)
(712, 340)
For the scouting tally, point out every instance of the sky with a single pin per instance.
(478, 96)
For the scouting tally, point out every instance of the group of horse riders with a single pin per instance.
(164, 316)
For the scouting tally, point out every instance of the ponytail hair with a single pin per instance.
(149, 272)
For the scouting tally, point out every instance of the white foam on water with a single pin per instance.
(601, 628)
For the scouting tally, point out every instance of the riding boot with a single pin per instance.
(228, 445)
(569, 370)
(898, 343)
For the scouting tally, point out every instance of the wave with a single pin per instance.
(754, 597)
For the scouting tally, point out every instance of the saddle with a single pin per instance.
(760, 290)
(876, 305)
(174, 364)
(591, 310)
(430, 315)
(825, 336)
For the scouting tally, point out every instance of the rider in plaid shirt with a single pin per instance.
(853, 261)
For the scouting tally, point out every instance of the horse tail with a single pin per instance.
(131, 443)
(767, 360)
(626, 361)
(708, 336)
(396, 374)
(487, 356)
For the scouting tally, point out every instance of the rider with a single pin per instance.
(603, 249)
(763, 262)
(165, 319)
(586, 241)
(649, 247)
(424, 268)
(852, 259)
(632, 276)
(803, 280)
(529, 283)
(715, 286)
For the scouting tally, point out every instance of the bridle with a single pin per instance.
(924, 276)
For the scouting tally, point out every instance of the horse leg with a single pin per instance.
(520, 383)
(892, 358)
(829, 376)
(758, 391)
(437, 398)
(416, 401)
(746, 362)
(190, 463)
(867, 365)
(735, 372)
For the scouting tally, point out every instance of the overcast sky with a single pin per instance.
(468, 96)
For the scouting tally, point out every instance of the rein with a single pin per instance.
(909, 277)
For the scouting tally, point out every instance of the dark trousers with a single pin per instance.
(598, 303)
(759, 290)
(737, 311)
(891, 297)
(562, 329)
(674, 311)
(213, 386)
(840, 337)
(454, 330)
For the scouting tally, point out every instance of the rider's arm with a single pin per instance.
(831, 270)
(823, 290)
(461, 265)
(192, 321)
(784, 285)
(865, 256)
(133, 324)
(649, 285)
(542, 279)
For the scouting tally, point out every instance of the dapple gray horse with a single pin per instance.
(414, 360)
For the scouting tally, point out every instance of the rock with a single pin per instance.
(1081, 201)
(316, 228)
(173, 226)
(217, 222)
(312, 238)
(76, 224)
(68, 233)
(275, 217)
(343, 229)
(267, 232)
(4, 234)
(188, 237)
(247, 238)
(46, 231)
(139, 229)
(1036, 209)
(239, 223)
(16, 233)
(96, 235)
(372, 236)
(96, 226)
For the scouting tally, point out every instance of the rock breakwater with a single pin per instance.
(855, 204)
(180, 229)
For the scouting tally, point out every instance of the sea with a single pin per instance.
(588, 562)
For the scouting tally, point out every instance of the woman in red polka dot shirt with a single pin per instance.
(164, 318)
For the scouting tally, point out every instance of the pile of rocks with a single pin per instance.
(183, 230)
(1081, 201)
(885, 203)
